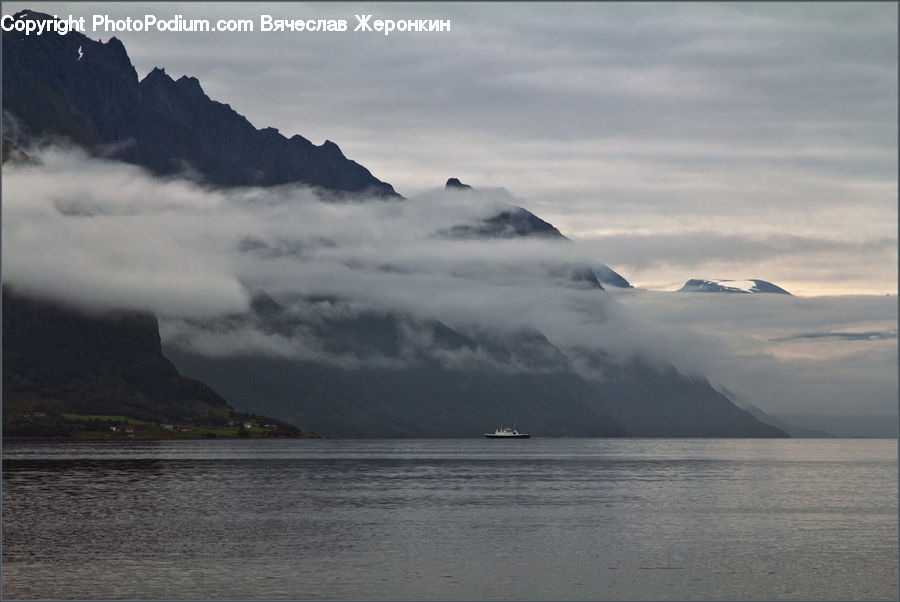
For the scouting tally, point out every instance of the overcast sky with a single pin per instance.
(703, 140)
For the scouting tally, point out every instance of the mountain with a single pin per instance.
(454, 183)
(513, 222)
(457, 386)
(656, 400)
(68, 372)
(731, 286)
(369, 372)
(110, 363)
(372, 385)
(607, 275)
(88, 92)
(61, 359)
(509, 222)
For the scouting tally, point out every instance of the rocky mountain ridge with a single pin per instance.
(88, 92)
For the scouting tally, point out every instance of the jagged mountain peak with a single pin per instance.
(157, 78)
(455, 184)
(88, 92)
(332, 149)
(188, 81)
(509, 222)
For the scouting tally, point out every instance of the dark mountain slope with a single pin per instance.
(164, 125)
(108, 363)
(519, 378)
(654, 402)
(413, 402)
(417, 395)
(650, 399)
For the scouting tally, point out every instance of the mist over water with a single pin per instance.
(452, 519)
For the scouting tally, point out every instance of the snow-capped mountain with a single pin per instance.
(731, 286)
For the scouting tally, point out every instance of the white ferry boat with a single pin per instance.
(507, 433)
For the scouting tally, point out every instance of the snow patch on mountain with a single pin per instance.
(731, 286)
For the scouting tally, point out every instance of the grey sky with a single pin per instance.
(705, 122)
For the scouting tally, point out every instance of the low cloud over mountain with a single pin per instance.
(107, 235)
(274, 277)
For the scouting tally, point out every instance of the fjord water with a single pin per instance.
(452, 519)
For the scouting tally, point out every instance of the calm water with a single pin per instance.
(452, 519)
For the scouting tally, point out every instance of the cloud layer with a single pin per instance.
(106, 235)
(765, 127)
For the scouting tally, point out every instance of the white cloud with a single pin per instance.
(591, 113)
(103, 234)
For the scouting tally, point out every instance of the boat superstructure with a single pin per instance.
(506, 432)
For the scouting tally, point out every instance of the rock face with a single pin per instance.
(88, 92)
(109, 363)
(731, 286)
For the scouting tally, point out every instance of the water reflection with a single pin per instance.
(451, 519)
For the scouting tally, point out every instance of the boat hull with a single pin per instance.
(519, 436)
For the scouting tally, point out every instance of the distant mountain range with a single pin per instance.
(731, 286)
(94, 99)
